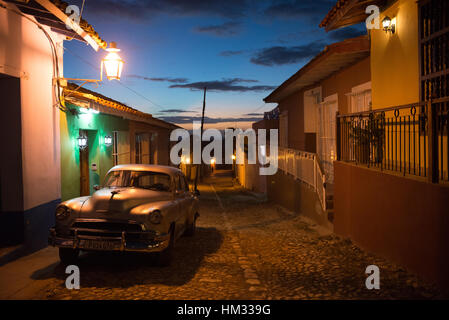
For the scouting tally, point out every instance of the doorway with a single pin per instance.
(327, 144)
(11, 177)
(84, 167)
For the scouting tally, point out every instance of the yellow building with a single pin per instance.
(391, 173)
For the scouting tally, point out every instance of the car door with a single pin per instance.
(184, 197)
(180, 206)
(189, 199)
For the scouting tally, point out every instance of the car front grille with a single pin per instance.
(108, 226)
(98, 228)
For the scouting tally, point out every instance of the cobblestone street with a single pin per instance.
(244, 248)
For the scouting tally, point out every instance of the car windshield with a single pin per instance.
(138, 179)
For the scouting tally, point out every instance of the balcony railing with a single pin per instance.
(410, 139)
(305, 167)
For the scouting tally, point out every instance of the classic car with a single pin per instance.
(140, 208)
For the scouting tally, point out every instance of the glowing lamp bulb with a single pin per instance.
(233, 157)
(82, 142)
(112, 63)
(108, 141)
(386, 22)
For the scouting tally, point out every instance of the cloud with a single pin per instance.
(312, 9)
(176, 111)
(280, 55)
(253, 114)
(347, 33)
(225, 85)
(145, 9)
(229, 53)
(299, 36)
(222, 30)
(166, 79)
(184, 120)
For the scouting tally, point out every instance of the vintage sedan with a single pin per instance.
(140, 208)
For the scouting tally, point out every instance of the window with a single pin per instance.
(312, 99)
(121, 152)
(142, 148)
(138, 179)
(360, 98)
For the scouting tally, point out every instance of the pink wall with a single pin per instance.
(403, 219)
(25, 54)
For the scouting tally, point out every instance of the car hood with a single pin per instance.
(117, 202)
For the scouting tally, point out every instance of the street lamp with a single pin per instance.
(112, 63)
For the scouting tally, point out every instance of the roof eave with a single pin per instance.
(348, 12)
(349, 46)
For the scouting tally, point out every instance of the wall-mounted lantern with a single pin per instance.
(108, 141)
(82, 142)
(234, 157)
(389, 25)
(112, 63)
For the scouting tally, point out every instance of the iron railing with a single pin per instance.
(410, 139)
(305, 167)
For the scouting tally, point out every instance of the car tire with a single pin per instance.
(191, 228)
(68, 256)
(165, 257)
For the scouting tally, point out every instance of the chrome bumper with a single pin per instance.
(102, 243)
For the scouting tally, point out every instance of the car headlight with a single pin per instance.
(62, 212)
(155, 217)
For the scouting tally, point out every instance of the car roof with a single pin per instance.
(147, 167)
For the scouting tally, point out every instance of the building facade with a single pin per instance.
(335, 81)
(114, 134)
(31, 57)
(391, 182)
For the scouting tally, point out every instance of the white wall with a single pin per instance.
(25, 53)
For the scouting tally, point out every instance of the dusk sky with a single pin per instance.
(241, 50)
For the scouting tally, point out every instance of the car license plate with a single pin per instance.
(98, 244)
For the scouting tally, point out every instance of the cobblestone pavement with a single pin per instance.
(244, 248)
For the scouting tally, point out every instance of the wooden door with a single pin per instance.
(84, 169)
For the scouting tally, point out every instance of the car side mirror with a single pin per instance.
(97, 187)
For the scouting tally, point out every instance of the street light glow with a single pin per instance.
(113, 63)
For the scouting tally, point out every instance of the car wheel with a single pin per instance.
(190, 231)
(68, 256)
(165, 257)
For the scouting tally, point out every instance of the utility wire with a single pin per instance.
(120, 83)
(54, 53)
